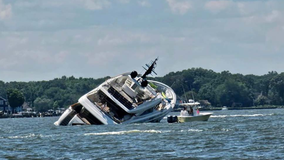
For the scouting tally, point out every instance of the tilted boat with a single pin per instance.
(126, 98)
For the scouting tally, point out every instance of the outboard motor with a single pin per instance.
(175, 119)
(172, 119)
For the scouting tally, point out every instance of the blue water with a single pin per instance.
(232, 134)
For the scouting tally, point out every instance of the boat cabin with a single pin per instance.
(123, 97)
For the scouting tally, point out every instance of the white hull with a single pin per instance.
(122, 106)
(201, 117)
(224, 108)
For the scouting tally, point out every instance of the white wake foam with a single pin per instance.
(124, 132)
(241, 115)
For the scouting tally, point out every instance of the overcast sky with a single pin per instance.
(46, 39)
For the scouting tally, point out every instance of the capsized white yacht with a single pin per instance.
(126, 98)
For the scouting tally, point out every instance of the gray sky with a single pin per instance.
(46, 39)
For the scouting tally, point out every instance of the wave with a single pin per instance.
(195, 130)
(140, 131)
(123, 132)
(241, 115)
(31, 135)
(23, 136)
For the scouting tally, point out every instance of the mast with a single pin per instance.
(148, 71)
(150, 68)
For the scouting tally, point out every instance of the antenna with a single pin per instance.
(148, 71)
(150, 68)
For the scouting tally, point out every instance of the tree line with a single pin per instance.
(220, 89)
(53, 94)
(227, 89)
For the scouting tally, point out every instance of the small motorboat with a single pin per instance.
(199, 117)
(224, 108)
(189, 113)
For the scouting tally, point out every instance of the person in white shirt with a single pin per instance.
(184, 112)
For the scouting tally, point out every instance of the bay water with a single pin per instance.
(230, 134)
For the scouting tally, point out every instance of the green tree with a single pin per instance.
(43, 104)
(232, 93)
(207, 92)
(276, 89)
(219, 89)
(2, 89)
(15, 98)
(261, 100)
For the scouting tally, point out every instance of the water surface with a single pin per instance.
(231, 134)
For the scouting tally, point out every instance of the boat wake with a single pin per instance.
(192, 130)
(123, 132)
(241, 115)
(139, 131)
(31, 135)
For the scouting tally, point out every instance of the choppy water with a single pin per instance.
(236, 134)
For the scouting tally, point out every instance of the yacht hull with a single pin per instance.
(86, 112)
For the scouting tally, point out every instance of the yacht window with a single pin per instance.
(128, 82)
(96, 97)
(84, 113)
(121, 80)
(134, 86)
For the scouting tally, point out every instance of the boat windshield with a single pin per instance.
(108, 106)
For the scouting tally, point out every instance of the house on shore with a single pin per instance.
(4, 107)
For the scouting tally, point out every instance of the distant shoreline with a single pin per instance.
(241, 108)
(236, 108)
(27, 116)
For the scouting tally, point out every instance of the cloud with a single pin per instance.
(49, 39)
(180, 7)
(96, 4)
(124, 38)
(273, 16)
(123, 1)
(217, 6)
(275, 34)
(5, 10)
(144, 3)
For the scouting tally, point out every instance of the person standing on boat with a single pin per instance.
(194, 111)
(190, 112)
(184, 112)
